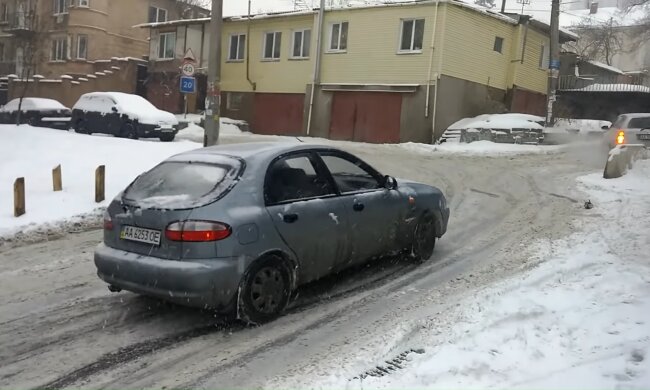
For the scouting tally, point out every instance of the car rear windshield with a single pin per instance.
(182, 184)
(639, 123)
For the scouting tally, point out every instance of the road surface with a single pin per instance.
(62, 328)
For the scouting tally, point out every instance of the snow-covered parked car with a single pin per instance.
(502, 128)
(122, 115)
(39, 112)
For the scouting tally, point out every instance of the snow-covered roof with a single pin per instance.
(612, 88)
(30, 103)
(605, 66)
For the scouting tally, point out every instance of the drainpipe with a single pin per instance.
(433, 44)
(317, 64)
(248, 48)
(438, 74)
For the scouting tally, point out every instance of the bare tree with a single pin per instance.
(29, 41)
(599, 41)
(486, 3)
(188, 8)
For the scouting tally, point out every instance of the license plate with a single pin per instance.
(148, 236)
(644, 137)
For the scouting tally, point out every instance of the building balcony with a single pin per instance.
(20, 22)
(601, 83)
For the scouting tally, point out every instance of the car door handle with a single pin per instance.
(290, 218)
(358, 207)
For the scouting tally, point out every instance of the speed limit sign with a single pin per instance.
(188, 69)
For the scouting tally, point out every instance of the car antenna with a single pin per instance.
(298, 138)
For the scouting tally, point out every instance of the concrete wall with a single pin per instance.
(415, 126)
(68, 91)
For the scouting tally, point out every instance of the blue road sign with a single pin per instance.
(555, 64)
(188, 84)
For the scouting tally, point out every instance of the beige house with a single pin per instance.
(57, 37)
(388, 73)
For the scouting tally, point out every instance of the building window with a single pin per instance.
(82, 47)
(237, 47)
(4, 12)
(234, 101)
(412, 35)
(544, 57)
(339, 36)
(60, 49)
(498, 44)
(167, 45)
(60, 6)
(157, 15)
(83, 3)
(2, 51)
(301, 43)
(272, 43)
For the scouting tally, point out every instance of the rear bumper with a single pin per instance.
(152, 131)
(208, 283)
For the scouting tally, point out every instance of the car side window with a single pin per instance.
(639, 123)
(294, 178)
(350, 176)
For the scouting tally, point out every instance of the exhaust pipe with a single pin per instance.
(113, 288)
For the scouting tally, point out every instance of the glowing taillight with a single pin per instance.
(620, 138)
(108, 221)
(197, 231)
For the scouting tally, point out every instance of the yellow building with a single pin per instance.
(386, 73)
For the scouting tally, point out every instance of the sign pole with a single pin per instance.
(213, 101)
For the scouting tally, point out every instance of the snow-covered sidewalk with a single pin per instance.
(580, 319)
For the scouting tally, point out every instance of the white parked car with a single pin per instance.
(122, 115)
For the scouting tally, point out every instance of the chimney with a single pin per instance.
(593, 8)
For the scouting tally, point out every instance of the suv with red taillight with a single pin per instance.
(631, 128)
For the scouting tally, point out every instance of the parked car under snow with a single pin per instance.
(502, 128)
(122, 115)
(38, 112)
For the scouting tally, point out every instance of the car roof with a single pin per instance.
(632, 115)
(249, 151)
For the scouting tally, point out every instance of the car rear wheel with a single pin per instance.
(265, 291)
(128, 131)
(80, 127)
(424, 237)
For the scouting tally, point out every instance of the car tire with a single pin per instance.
(129, 131)
(80, 127)
(31, 122)
(265, 291)
(167, 137)
(424, 237)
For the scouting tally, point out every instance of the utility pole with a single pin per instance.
(554, 61)
(503, 6)
(213, 98)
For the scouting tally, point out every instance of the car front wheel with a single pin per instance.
(424, 237)
(80, 127)
(167, 137)
(265, 291)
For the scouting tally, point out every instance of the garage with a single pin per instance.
(366, 116)
(278, 113)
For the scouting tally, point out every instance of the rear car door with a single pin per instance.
(307, 213)
(373, 211)
(639, 131)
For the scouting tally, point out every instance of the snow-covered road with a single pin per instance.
(62, 328)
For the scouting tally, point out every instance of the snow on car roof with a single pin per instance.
(30, 103)
(499, 121)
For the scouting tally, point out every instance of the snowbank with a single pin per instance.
(194, 132)
(578, 320)
(32, 153)
(483, 148)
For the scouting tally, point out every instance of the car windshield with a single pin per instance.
(181, 185)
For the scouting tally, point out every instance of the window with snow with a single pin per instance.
(60, 49)
(167, 45)
(157, 15)
(498, 44)
(301, 43)
(272, 43)
(412, 35)
(83, 3)
(82, 47)
(60, 6)
(338, 37)
(237, 47)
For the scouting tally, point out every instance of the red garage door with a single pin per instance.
(366, 116)
(278, 113)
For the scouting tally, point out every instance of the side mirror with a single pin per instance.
(114, 109)
(390, 183)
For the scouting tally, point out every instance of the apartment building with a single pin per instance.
(56, 37)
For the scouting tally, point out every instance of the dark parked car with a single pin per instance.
(122, 115)
(241, 226)
(39, 112)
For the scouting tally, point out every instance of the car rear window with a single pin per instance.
(182, 184)
(639, 123)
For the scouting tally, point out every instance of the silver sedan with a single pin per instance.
(239, 227)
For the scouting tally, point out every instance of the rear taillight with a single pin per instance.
(620, 138)
(108, 221)
(197, 231)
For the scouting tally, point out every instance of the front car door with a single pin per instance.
(307, 213)
(373, 211)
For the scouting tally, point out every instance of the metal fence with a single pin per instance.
(613, 83)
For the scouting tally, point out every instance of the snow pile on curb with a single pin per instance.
(578, 320)
(32, 153)
(484, 148)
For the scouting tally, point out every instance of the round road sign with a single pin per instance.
(188, 69)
